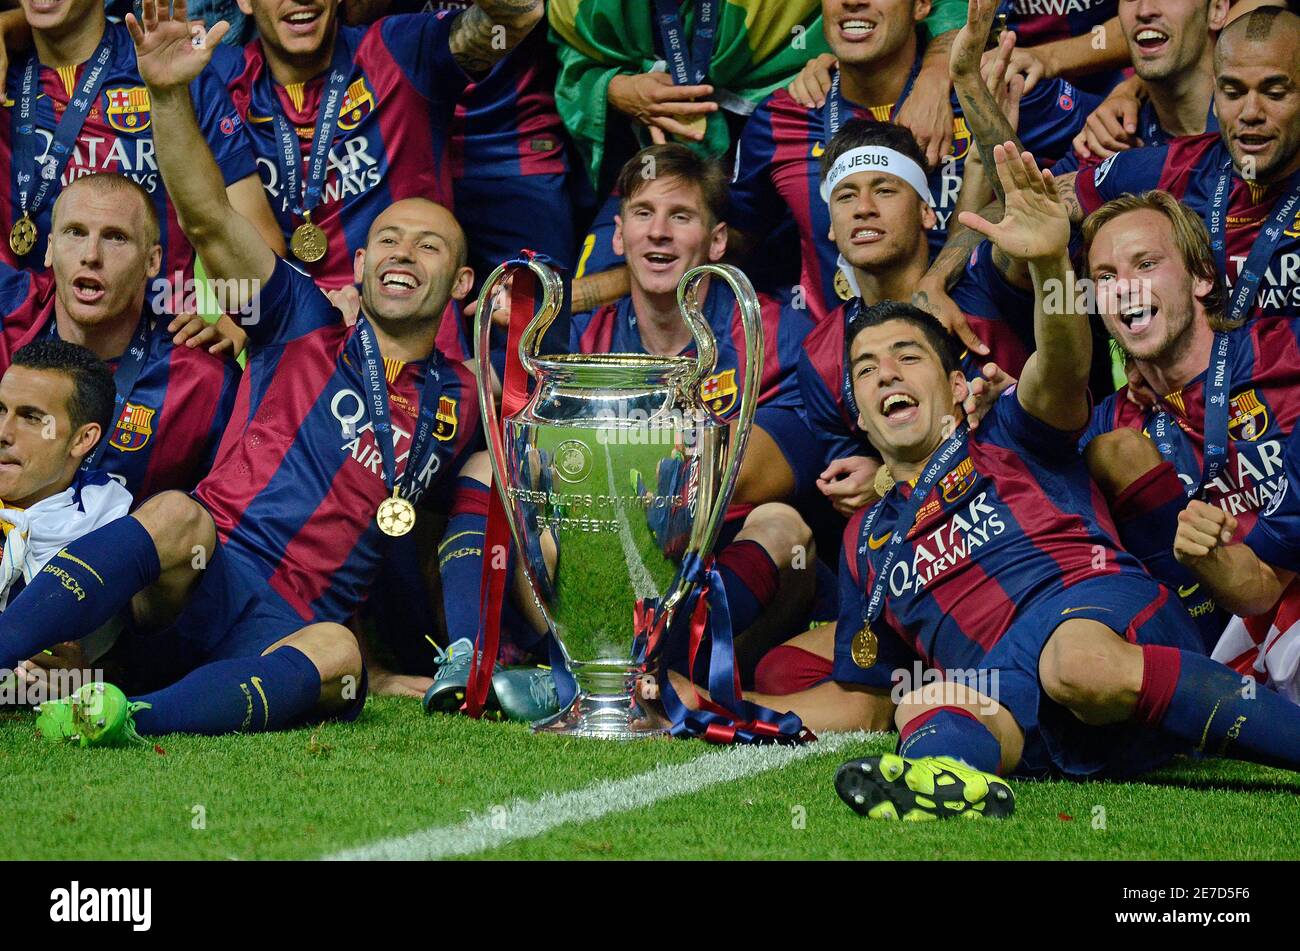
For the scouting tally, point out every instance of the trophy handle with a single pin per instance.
(751, 319)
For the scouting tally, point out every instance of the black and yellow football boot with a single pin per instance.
(922, 790)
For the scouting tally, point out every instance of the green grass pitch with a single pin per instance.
(312, 792)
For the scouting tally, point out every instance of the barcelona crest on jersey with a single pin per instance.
(128, 108)
(134, 428)
(961, 138)
(446, 416)
(1247, 416)
(956, 483)
(719, 391)
(358, 102)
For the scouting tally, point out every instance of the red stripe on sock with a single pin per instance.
(754, 566)
(470, 499)
(917, 722)
(787, 669)
(1150, 491)
(1160, 669)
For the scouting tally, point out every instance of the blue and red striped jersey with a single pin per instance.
(613, 329)
(298, 476)
(1150, 132)
(1276, 535)
(778, 171)
(1015, 521)
(1044, 21)
(1263, 406)
(394, 130)
(117, 137)
(1001, 314)
(1189, 169)
(167, 433)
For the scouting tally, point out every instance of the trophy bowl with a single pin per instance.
(611, 475)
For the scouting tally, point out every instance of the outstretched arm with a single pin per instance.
(230, 246)
(1036, 230)
(483, 35)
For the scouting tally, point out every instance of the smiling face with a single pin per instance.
(61, 18)
(862, 32)
(413, 263)
(1146, 295)
(39, 449)
(1257, 95)
(665, 229)
(878, 221)
(907, 402)
(103, 248)
(1167, 37)
(299, 31)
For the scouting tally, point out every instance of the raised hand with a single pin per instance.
(972, 39)
(1036, 225)
(168, 50)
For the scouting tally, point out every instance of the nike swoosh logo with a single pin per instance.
(1188, 592)
(877, 543)
(253, 118)
(1085, 607)
(818, 150)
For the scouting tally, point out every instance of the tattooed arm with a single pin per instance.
(988, 124)
(487, 31)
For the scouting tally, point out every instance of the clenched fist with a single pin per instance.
(1202, 529)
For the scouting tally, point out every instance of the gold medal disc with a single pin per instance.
(883, 482)
(396, 516)
(308, 242)
(864, 646)
(22, 236)
(842, 288)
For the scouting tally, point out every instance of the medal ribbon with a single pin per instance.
(1241, 300)
(380, 416)
(303, 199)
(1218, 382)
(835, 108)
(65, 133)
(688, 69)
(940, 464)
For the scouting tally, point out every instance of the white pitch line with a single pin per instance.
(524, 819)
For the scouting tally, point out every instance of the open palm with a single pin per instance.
(1036, 224)
(166, 49)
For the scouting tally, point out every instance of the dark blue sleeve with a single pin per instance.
(1101, 421)
(983, 291)
(420, 44)
(1136, 171)
(221, 125)
(823, 417)
(1052, 115)
(15, 287)
(1067, 163)
(1011, 426)
(891, 653)
(1276, 535)
(755, 205)
(289, 306)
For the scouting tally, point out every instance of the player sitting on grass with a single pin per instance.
(56, 404)
(239, 593)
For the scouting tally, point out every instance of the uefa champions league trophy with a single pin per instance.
(612, 473)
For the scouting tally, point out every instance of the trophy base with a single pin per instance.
(605, 714)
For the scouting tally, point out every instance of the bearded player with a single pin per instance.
(239, 593)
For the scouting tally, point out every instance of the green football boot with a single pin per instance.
(98, 714)
(450, 683)
(525, 694)
(922, 790)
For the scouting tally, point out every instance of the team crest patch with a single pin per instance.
(446, 418)
(358, 102)
(719, 391)
(1247, 416)
(134, 428)
(1294, 230)
(961, 139)
(956, 483)
(128, 108)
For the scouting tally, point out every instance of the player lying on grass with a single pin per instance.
(239, 593)
(56, 404)
(990, 561)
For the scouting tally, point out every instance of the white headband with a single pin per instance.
(871, 158)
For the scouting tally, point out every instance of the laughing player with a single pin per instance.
(240, 592)
(173, 402)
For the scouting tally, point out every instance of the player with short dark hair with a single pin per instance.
(173, 401)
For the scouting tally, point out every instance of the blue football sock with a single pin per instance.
(1212, 706)
(460, 559)
(78, 590)
(245, 695)
(951, 731)
(750, 578)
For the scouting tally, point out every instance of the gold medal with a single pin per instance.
(842, 288)
(22, 236)
(396, 516)
(883, 482)
(308, 242)
(864, 646)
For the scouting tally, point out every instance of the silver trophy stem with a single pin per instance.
(607, 706)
